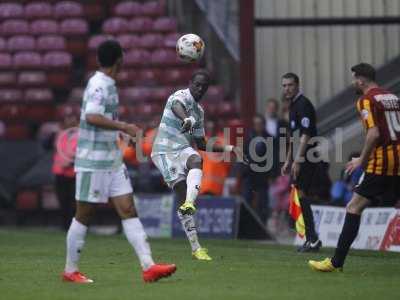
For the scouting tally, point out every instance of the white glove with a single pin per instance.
(188, 124)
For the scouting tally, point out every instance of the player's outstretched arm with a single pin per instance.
(180, 111)
(105, 123)
(201, 144)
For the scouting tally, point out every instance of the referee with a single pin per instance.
(302, 120)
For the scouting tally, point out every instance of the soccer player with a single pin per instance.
(380, 115)
(101, 175)
(182, 125)
(302, 119)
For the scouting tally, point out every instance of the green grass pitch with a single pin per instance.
(31, 262)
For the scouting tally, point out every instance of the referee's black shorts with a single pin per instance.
(373, 186)
(306, 177)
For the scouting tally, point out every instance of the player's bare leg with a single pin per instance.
(75, 241)
(349, 232)
(136, 236)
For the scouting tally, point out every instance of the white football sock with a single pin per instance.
(75, 241)
(189, 227)
(193, 181)
(137, 237)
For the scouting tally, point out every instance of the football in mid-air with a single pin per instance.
(190, 47)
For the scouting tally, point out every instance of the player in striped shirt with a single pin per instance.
(101, 175)
(380, 115)
(181, 127)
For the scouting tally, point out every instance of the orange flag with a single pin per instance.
(295, 211)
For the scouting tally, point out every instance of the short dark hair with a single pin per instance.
(261, 117)
(201, 72)
(108, 53)
(293, 76)
(364, 70)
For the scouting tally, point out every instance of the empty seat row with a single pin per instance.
(132, 41)
(23, 79)
(29, 60)
(149, 94)
(119, 25)
(154, 76)
(30, 43)
(133, 8)
(69, 27)
(29, 95)
(41, 9)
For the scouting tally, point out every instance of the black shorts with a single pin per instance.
(373, 186)
(306, 178)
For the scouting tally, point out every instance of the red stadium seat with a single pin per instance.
(6, 61)
(58, 63)
(76, 95)
(147, 110)
(38, 10)
(137, 58)
(215, 93)
(175, 77)
(50, 43)
(148, 77)
(3, 44)
(128, 9)
(164, 57)
(115, 26)
(123, 78)
(38, 95)
(68, 9)
(7, 79)
(14, 27)
(128, 41)
(75, 30)
(96, 40)
(32, 79)
(161, 94)
(57, 59)
(171, 39)
(11, 10)
(27, 60)
(151, 40)
(140, 25)
(74, 27)
(227, 109)
(10, 95)
(135, 94)
(44, 26)
(165, 24)
(18, 132)
(12, 111)
(153, 8)
(21, 43)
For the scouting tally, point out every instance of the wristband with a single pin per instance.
(191, 119)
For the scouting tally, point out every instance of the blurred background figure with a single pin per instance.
(63, 164)
(215, 169)
(255, 183)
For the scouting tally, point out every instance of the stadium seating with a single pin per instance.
(128, 9)
(115, 26)
(11, 10)
(44, 26)
(32, 79)
(27, 60)
(38, 10)
(50, 43)
(5, 61)
(68, 9)
(7, 79)
(14, 27)
(21, 43)
(140, 25)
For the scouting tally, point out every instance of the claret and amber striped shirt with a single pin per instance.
(381, 108)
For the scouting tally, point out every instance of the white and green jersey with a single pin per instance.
(169, 139)
(97, 148)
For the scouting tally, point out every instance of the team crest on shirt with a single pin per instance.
(173, 170)
(364, 114)
(293, 124)
(305, 122)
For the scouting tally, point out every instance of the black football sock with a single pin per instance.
(308, 217)
(347, 237)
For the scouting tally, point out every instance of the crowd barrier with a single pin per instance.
(379, 229)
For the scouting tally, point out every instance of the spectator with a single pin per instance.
(342, 189)
(273, 126)
(63, 165)
(215, 169)
(254, 181)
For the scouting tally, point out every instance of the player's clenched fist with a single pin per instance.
(131, 129)
(188, 124)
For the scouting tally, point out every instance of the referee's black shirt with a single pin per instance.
(302, 117)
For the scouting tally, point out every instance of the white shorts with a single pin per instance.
(99, 186)
(173, 165)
